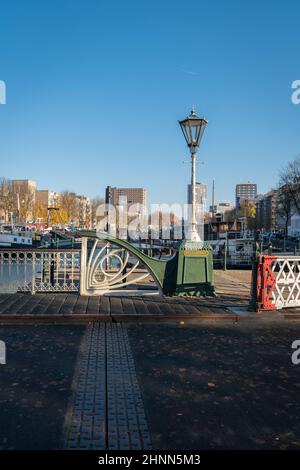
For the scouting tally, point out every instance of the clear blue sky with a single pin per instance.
(95, 89)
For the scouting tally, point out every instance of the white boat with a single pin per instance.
(10, 237)
(239, 250)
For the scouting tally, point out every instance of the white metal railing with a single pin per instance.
(238, 259)
(278, 282)
(39, 270)
(95, 269)
(286, 292)
(99, 267)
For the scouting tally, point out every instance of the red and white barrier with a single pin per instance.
(278, 282)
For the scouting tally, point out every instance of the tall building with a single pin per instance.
(129, 196)
(42, 197)
(24, 188)
(266, 211)
(245, 192)
(201, 192)
(24, 185)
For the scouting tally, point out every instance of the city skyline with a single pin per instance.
(66, 85)
(208, 197)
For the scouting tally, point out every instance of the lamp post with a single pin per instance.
(193, 128)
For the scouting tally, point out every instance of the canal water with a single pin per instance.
(14, 276)
(19, 276)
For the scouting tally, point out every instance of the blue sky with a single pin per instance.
(95, 89)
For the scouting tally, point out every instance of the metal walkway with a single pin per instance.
(108, 412)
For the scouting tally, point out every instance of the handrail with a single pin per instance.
(39, 250)
(157, 267)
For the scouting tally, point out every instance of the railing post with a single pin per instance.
(83, 266)
(33, 275)
(107, 262)
(52, 268)
(225, 256)
(255, 262)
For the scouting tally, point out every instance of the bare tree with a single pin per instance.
(289, 179)
(248, 211)
(26, 203)
(8, 201)
(69, 203)
(284, 206)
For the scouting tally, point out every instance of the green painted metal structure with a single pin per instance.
(194, 273)
(188, 272)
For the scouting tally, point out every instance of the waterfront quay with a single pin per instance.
(150, 372)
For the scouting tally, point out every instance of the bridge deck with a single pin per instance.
(58, 306)
(232, 288)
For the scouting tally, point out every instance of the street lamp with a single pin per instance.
(193, 128)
